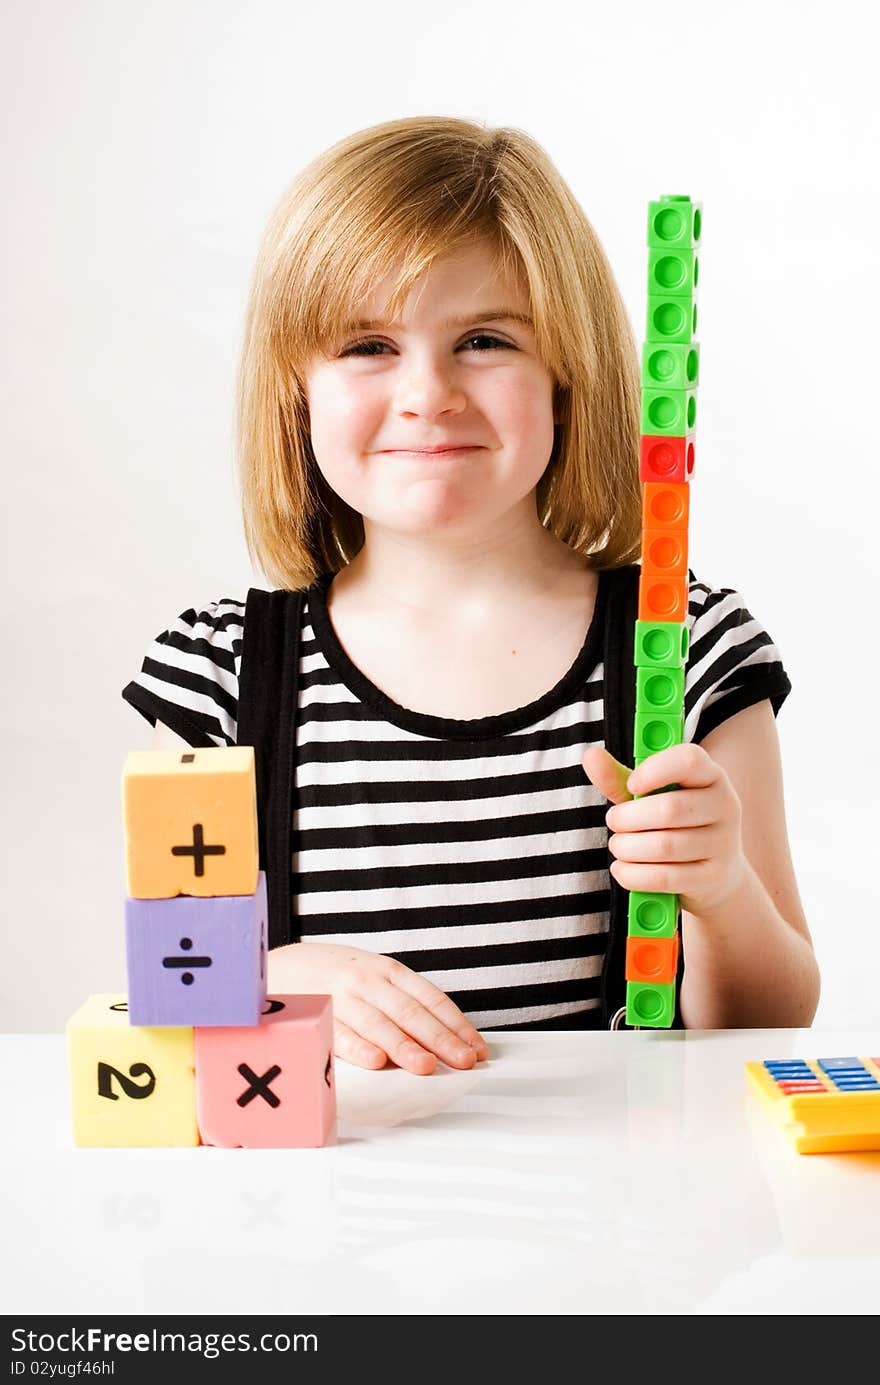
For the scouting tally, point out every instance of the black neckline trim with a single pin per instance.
(450, 728)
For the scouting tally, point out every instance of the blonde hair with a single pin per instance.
(403, 193)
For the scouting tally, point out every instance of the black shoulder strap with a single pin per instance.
(621, 613)
(267, 708)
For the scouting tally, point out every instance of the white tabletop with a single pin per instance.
(571, 1173)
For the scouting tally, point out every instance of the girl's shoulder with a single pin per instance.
(732, 662)
(189, 677)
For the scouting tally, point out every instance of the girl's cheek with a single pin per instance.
(356, 417)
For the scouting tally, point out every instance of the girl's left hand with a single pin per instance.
(687, 841)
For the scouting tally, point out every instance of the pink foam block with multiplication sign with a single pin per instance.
(270, 1085)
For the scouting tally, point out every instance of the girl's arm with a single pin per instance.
(750, 962)
(719, 841)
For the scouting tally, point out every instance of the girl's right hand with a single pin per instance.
(381, 1008)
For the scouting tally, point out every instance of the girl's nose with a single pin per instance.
(429, 387)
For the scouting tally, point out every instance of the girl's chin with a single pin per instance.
(429, 525)
(427, 504)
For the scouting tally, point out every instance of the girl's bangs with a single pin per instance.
(332, 298)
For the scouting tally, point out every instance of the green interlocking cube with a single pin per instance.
(673, 273)
(675, 222)
(655, 732)
(670, 319)
(670, 366)
(652, 915)
(660, 690)
(661, 644)
(650, 1006)
(669, 413)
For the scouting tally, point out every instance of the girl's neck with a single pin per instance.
(465, 630)
(520, 565)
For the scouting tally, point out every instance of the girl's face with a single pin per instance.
(455, 372)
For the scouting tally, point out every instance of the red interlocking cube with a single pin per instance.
(666, 459)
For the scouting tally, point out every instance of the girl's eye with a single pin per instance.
(484, 336)
(363, 348)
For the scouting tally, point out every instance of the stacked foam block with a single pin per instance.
(670, 375)
(197, 1052)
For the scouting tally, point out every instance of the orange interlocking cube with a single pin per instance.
(665, 554)
(651, 959)
(190, 820)
(666, 505)
(662, 598)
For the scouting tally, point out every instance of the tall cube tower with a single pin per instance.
(670, 376)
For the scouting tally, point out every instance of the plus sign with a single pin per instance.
(198, 850)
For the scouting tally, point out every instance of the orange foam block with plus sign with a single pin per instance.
(270, 1085)
(190, 822)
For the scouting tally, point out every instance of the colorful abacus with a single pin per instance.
(824, 1105)
(670, 371)
(197, 1053)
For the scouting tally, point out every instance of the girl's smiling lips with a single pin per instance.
(431, 451)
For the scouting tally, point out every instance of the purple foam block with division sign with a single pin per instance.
(197, 961)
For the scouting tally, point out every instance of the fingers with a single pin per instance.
(353, 1048)
(370, 1023)
(423, 1025)
(687, 879)
(608, 775)
(688, 765)
(384, 1010)
(681, 808)
(396, 1022)
(646, 847)
(438, 1003)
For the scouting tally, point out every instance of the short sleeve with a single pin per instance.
(732, 661)
(189, 677)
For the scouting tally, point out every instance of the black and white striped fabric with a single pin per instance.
(473, 851)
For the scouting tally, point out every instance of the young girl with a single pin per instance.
(438, 429)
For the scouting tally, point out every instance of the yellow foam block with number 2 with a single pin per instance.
(190, 821)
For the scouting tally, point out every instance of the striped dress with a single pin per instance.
(475, 852)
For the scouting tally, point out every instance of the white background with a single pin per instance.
(145, 149)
